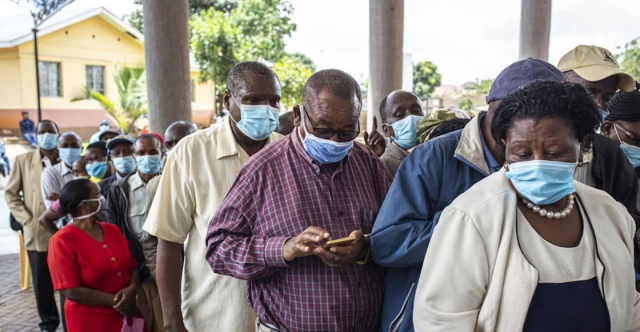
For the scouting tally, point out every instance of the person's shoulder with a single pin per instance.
(485, 195)
(448, 143)
(21, 158)
(271, 154)
(109, 228)
(64, 235)
(594, 195)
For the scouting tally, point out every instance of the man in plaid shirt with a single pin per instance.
(314, 185)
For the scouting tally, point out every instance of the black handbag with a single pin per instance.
(15, 225)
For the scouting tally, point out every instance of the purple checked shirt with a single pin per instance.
(278, 194)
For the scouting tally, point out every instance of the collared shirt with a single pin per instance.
(137, 205)
(493, 164)
(280, 193)
(198, 174)
(52, 180)
(392, 157)
(584, 170)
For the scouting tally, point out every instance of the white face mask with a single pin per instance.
(99, 199)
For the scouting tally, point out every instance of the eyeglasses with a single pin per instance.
(636, 141)
(327, 133)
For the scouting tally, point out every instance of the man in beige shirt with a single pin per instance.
(196, 178)
(24, 199)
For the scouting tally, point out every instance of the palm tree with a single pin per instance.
(132, 98)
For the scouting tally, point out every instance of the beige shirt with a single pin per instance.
(392, 157)
(196, 178)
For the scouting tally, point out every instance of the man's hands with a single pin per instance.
(310, 242)
(375, 141)
(125, 302)
(305, 243)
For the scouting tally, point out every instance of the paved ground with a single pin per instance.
(17, 308)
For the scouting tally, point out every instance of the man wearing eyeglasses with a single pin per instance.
(603, 164)
(289, 200)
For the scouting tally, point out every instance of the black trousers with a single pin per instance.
(43, 289)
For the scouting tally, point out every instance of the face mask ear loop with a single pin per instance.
(615, 128)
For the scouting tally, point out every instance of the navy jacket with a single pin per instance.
(428, 180)
(27, 127)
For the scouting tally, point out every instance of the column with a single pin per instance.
(535, 27)
(166, 54)
(386, 23)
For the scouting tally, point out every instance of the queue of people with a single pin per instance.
(523, 217)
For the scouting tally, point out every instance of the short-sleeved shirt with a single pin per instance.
(196, 178)
(52, 180)
(78, 260)
(137, 205)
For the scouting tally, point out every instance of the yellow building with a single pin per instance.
(76, 48)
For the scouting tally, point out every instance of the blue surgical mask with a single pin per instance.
(48, 141)
(323, 151)
(104, 128)
(125, 165)
(69, 155)
(150, 164)
(632, 151)
(257, 121)
(542, 182)
(97, 169)
(405, 131)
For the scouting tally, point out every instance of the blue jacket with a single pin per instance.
(26, 126)
(428, 180)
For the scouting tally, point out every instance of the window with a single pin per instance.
(95, 78)
(49, 77)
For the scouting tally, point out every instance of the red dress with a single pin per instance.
(77, 260)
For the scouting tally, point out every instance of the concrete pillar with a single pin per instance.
(386, 23)
(166, 54)
(535, 26)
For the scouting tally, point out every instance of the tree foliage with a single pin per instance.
(293, 72)
(135, 18)
(425, 78)
(483, 86)
(132, 98)
(631, 58)
(465, 103)
(254, 30)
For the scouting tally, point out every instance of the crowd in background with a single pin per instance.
(519, 218)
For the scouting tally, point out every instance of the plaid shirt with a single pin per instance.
(278, 194)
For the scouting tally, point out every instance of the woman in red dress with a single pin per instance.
(91, 264)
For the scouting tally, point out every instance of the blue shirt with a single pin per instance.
(488, 157)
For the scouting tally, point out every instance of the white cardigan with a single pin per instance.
(476, 278)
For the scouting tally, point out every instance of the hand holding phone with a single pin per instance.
(345, 241)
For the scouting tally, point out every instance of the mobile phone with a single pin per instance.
(345, 241)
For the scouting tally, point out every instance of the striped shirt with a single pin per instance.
(278, 194)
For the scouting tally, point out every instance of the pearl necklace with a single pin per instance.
(550, 214)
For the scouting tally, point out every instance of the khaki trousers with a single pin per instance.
(150, 306)
(25, 268)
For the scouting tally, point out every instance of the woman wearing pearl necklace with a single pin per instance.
(529, 249)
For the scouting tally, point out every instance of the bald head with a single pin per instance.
(239, 74)
(69, 140)
(177, 131)
(398, 105)
(334, 82)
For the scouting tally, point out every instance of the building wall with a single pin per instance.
(91, 42)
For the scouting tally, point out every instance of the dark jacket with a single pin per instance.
(106, 183)
(118, 212)
(614, 174)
